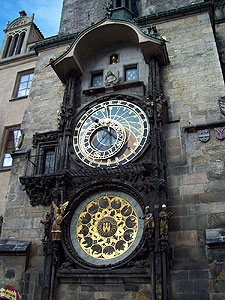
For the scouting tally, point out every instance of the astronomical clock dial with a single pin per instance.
(111, 133)
(106, 228)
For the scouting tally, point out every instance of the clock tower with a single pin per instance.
(110, 158)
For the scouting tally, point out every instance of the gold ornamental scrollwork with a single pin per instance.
(107, 227)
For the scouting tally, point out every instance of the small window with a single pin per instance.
(118, 3)
(12, 140)
(131, 73)
(48, 166)
(97, 79)
(24, 83)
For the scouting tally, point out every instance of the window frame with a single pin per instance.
(40, 158)
(95, 73)
(127, 67)
(18, 82)
(5, 141)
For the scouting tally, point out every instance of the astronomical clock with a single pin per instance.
(105, 227)
(110, 134)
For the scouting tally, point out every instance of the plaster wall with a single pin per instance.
(128, 55)
(11, 112)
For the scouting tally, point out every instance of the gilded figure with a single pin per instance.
(59, 216)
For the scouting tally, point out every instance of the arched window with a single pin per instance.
(7, 46)
(13, 47)
(20, 43)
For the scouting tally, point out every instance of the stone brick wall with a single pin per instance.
(44, 99)
(193, 83)
(220, 40)
(77, 15)
(193, 80)
(106, 292)
(147, 7)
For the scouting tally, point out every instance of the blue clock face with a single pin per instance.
(110, 133)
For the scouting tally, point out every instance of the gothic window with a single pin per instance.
(23, 84)
(13, 137)
(14, 44)
(48, 161)
(131, 73)
(20, 43)
(7, 47)
(97, 79)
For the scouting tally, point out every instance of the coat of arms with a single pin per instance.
(220, 133)
(204, 135)
(222, 105)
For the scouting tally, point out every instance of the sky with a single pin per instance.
(47, 14)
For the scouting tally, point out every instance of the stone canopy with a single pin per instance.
(105, 33)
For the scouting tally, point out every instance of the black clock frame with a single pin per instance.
(124, 97)
(101, 186)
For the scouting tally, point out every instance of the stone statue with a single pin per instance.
(149, 223)
(108, 9)
(111, 78)
(163, 221)
(47, 223)
(59, 216)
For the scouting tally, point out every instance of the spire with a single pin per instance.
(22, 13)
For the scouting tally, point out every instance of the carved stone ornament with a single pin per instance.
(45, 137)
(43, 190)
(159, 104)
(204, 135)
(220, 133)
(222, 105)
(19, 22)
(65, 117)
(111, 78)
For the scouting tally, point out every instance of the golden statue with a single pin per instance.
(114, 59)
(59, 216)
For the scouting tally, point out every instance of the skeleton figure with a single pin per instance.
(163, 221)
(46, 222)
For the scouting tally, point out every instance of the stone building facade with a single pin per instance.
(126, 111)
(17, 58)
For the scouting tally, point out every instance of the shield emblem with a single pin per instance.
(204, 135)
(220, 133)
(222, 105)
